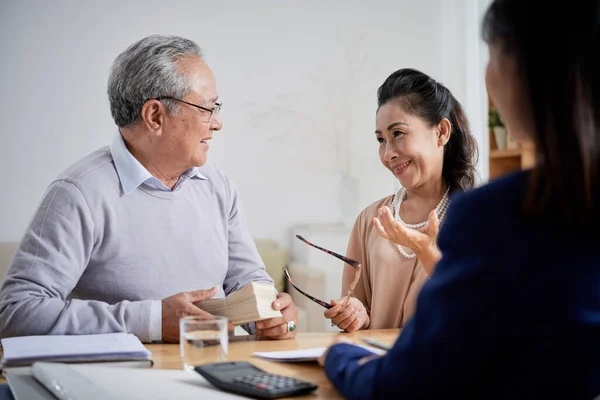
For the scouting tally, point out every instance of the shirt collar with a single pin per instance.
(131, 172)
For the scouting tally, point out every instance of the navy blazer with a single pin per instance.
(511, 312)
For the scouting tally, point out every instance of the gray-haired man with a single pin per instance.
(142, 220)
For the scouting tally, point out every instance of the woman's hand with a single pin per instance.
(422, 241)
(342, 339)
(350, 318)
(339, 339)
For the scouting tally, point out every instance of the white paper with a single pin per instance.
(72, 346)
(303, 355)
(292, 355)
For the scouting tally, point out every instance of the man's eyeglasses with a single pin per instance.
(213, 111)
(355, 264)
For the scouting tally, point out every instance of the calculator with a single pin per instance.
(241, 377)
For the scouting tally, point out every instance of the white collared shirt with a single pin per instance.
(132, 173)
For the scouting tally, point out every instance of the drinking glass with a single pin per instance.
(203, 340)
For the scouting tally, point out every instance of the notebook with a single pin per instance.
(91, 382)
(251, 303)
(115, 348)
(23, 386)
(5, 393)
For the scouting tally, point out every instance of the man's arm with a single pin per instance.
(245, 264)
(51, 258)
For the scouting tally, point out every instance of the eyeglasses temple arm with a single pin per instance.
(347, 260)
(351, 288)
(319, 302)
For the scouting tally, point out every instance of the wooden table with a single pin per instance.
(167, 356)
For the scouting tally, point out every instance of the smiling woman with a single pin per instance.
(424, 140)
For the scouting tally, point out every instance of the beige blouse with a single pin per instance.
(389, 282)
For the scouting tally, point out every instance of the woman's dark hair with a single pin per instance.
(559, 74)
(431, 101)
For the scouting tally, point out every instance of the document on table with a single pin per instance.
(303, 355)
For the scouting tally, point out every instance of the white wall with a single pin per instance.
(298, 80)
(464, 58)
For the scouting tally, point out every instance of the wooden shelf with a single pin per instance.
(505, 161)
(506, 153)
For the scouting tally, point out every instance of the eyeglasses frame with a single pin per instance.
(213, 111)
(354, 264)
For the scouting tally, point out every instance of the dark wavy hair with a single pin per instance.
(422, 96)
(563, 97)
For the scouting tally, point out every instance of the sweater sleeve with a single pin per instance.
(245, 264)
(343, 369)
(53, 254)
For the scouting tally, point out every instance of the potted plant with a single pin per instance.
(497, 126)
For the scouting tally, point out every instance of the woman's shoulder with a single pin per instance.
(369, 212)
(373, 209)
(494, 207)
(499, 197)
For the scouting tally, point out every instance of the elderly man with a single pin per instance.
(142, 220)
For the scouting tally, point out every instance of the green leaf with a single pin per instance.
(494, 118)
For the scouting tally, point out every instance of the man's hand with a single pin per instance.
(350, 318)
(421, 241)
(277, 328)
(182, 305)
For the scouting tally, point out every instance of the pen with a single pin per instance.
(377, 343)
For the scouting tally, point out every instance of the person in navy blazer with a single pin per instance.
(512, 310)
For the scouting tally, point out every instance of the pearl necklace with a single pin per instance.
(440, 210)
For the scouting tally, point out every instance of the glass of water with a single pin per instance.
(203, 340)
